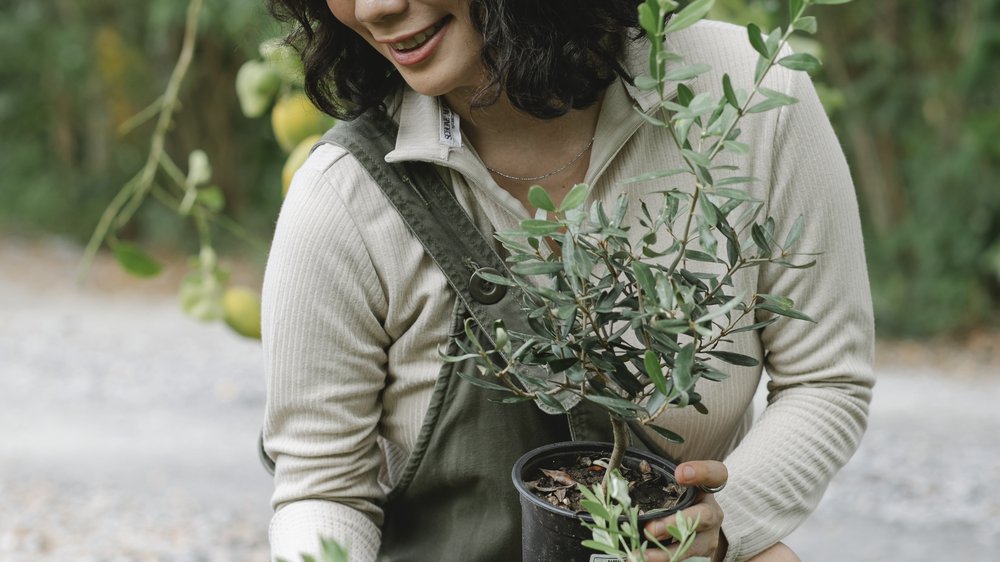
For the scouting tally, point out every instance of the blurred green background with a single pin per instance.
(913, 89)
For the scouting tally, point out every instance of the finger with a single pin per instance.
(708, 513)
(701, 473)
(656, 555)
(704, 544)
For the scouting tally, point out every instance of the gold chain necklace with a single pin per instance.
(549, 174)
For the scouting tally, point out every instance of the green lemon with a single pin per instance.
(295, 161)
(294, 118)
(241, 311)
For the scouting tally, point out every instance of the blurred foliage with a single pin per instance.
(73, 72)
(922, 84)
(912, 88)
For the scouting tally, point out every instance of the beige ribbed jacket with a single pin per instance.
(355, 312)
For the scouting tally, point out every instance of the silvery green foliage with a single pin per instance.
(633, 321)
(616, 530)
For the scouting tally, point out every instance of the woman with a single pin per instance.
(498, 96)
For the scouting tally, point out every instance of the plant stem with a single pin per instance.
(684, 240)
(620, 428)
(140, 186)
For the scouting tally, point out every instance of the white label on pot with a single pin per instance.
(606, 558)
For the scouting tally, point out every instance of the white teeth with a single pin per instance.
(416, 40)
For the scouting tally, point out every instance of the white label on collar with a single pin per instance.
(450, 132)
(605, 558)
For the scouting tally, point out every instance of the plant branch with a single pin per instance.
(138, 187)
(620, 429)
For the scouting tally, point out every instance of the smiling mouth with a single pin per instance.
(418, 40)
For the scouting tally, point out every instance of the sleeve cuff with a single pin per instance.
(296, 529)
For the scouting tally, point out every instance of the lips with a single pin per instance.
(419, 39)
(418, 47)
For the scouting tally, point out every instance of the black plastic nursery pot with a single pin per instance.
(552, 534)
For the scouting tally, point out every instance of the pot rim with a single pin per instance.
(577, 447)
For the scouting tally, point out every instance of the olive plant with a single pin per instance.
(616, 530)
(632, 321)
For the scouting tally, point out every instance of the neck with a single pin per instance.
(502, 123)
(518, 144)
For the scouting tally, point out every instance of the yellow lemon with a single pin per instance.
(295, 161)
(241, 311)
(294, 118)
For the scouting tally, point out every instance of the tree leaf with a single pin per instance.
(774, 100)
(681, 373)
(727, 88)
(735, 358)
(621, 376)
(652, 364)
(755, 326)
(575, 197)
(540, 199)
(698, 255)
(539, 227)
(657, 175)
(495, 279)
(560, 365)
(646, 82)
(655, 402)
(760, 239)
(757, 39)
(595, 508)
(737, 147)
(714, 375)
(795, 232)
(689, 15)
(789, 312)
(794, 6)
(618, 405)
(647, 19)
(536, 267)
(644, 275)
(801, 61)
(478, 381)
(666, 434)
(721, 310)
(686, 72)
(135, 261)
(456, 358)
(684, 95)
(735, 180)
(806, 24)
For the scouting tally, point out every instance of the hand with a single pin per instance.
(709, 540)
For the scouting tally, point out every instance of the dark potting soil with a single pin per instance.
(648, 489)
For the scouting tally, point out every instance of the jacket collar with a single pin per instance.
(430, 132)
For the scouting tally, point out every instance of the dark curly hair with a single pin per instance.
(547, 56)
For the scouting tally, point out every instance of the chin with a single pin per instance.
(429, 87)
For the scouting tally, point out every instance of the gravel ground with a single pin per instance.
(128, 434)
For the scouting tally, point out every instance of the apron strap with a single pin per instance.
(422, 199)
(446, 231)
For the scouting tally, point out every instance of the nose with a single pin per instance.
(372, 11)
